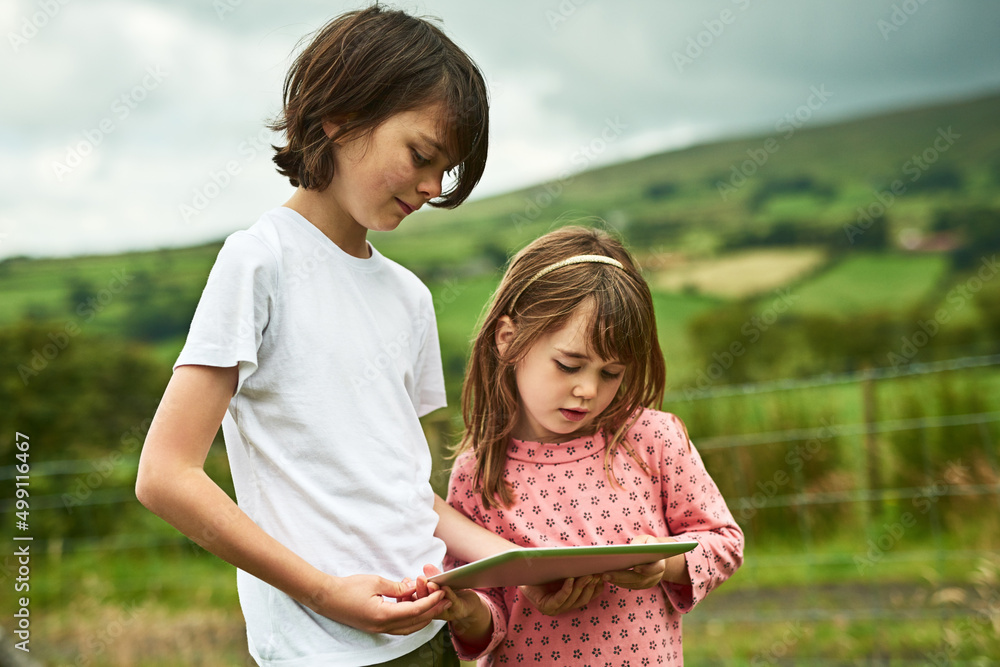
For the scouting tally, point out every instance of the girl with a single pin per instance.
(563, 446)
(318, 355)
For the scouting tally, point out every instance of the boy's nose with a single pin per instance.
(431, 187)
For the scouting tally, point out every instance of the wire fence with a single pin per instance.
(759, 480)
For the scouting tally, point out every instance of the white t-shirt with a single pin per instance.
(338, 356)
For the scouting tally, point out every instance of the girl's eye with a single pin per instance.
(567, 369)
(609, 375)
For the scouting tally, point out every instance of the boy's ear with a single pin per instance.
(504, 333)
(330, 128)
(332, 125)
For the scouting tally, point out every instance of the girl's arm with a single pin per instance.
(693, 510)
(673, 569)
(466, 540)
(172, 483)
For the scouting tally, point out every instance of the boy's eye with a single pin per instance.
(418, 159)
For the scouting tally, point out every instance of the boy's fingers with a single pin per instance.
(395, 589)
(408, 617)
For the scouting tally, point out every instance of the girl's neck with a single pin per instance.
(557, 440)
(324, 214)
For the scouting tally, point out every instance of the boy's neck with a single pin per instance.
(328, 218)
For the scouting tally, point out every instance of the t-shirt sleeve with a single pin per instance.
(428, 370)
(695, 510)
(234, 308)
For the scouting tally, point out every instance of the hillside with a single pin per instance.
(717, 224)
(695, 200)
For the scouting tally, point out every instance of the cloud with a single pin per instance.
(560, 72)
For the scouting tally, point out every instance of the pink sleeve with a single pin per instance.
(462, 496)
(695, 510)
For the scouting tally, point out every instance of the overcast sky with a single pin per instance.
(114, 115)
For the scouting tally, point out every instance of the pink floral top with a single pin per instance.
(563, 497)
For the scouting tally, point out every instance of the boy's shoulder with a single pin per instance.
(403, 274)
(260, 241)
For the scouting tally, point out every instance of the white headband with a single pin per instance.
(579, 259)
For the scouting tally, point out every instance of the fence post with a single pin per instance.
(870, 417)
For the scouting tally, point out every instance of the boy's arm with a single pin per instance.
(172, 484)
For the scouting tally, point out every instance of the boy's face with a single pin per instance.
(379, 180)
(563, 386)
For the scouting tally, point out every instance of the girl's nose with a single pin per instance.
(586, 387)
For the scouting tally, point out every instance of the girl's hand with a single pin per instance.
(672, 568)
(470, 618)
(464, 602)
(555, 598)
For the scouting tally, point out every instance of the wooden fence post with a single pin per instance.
(870, 416)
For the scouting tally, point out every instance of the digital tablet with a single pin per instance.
(540, 565)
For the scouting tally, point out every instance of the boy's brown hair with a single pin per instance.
(623, 328)
(365, 66)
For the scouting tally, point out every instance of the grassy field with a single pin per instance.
(143, 596)
(737, 275)
(866, 283)
(182, 609)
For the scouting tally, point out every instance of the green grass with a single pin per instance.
(773, 608)
(43, 286)
(673, 312)
(190, 611)
(872, 282)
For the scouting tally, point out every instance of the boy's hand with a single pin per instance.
(360, 602)
(556, 598)
(672, 568)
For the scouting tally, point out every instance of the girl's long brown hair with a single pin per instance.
(623, 328)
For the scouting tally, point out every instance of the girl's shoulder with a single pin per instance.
(465, 465)
(658, 427)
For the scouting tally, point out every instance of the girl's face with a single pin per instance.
(563, 385)
(379, 180)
